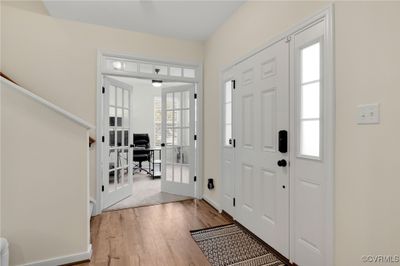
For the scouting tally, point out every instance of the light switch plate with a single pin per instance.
(368, 114)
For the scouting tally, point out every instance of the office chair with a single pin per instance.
(141, 141)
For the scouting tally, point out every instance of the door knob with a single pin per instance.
(162, 144)
(282, 163)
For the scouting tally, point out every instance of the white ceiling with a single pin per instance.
(194, 20)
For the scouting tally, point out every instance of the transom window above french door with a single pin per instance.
(157, 70)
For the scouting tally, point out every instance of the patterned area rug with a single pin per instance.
(231, 245)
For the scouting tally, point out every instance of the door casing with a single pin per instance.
(326, 14)
(197, 81)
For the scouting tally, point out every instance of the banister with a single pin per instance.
(74, 118)
(7, 77)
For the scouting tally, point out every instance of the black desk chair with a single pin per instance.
(141, 141)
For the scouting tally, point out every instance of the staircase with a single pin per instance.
(44, 179)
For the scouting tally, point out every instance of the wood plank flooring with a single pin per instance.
(153, 235)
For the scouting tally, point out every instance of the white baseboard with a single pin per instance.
(64, 259)
(212, 203)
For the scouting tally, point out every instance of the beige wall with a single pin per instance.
(57, 59)
(44, 210)
(367, 177)
(367, 71)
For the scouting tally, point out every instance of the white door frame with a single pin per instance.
(198, 81)
(326, 14)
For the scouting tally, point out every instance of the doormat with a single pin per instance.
(232, 245)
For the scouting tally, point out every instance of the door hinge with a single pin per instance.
(195, 178)
(195, 95)
(234, 84)
(102, 188)
(195, 137)
(234, 202)
(102, 139)
(103, 90)
(234, 143)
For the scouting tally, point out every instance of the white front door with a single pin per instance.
(261, 98)
(117, 154)
(178, 143)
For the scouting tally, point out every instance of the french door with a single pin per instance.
(118, 137)
(178, 143)
(261, 116)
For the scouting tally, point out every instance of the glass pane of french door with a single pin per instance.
(178, 132)
(119, 126)
(118, 158)
(178, 142)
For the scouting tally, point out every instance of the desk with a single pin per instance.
(153, 162)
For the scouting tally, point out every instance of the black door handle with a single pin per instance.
(282, 163)
(162, 144)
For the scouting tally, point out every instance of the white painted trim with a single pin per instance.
(221, 137)
(46, 103)
(168, 61)
(199, 185)
(212, 203)
(99, 133)
(63, 259)
(149, 76)
(292, 182)
(330, 136)
(199, 81)
(326, 14)
(88, 199)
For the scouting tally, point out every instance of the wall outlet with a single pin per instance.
(368, 114)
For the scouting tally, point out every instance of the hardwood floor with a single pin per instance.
(153, 235)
